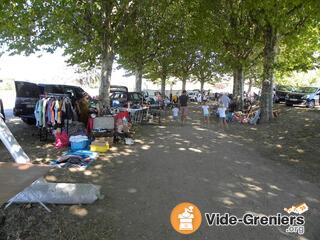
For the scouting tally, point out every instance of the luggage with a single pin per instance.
(106, 122)
(103, 126)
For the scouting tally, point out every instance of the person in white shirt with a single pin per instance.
(205, 98)
(222, 114)
(205, 110)
(199, 98)
(175, 113)
(225, 100)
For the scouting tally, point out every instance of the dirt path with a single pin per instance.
(170, 164)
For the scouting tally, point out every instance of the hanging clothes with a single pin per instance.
(50, 112)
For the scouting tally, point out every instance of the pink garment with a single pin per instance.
(62, 140)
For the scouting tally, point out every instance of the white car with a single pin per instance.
(192, 96)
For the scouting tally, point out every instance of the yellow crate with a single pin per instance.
(99, 147)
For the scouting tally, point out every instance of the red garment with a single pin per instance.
(121, 115)
(90, 125)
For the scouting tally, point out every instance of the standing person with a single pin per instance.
(205, 97)
(205, 111)
(175, 99)
(83, 108)
(199, 98)
(175, 112)
(183, 101)
(225, 100)
(222, 114)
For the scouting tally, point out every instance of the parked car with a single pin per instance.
(280, 93)
(119, 96)
(136, 98)
(307, 96)
(192, 96)
(27, 94)
(118, 88)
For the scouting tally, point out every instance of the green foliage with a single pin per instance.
(181, 39)
(81, 28)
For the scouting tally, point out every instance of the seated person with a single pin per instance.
(123, 127)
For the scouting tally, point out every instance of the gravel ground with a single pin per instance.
(261, 169)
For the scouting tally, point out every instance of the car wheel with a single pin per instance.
(29, 121)
(311, 104)
(289, 104)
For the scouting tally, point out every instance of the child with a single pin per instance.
(205, 110)
(222, 114)
(175, 112)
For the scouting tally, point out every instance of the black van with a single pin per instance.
(27, 94)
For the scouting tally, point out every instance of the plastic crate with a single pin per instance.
(79, 145)
(99, 147)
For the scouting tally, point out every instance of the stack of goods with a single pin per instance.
(77, 128)
(251, 117)
(123, 133)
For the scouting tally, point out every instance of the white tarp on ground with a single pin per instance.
(12, 145)
(58, 193)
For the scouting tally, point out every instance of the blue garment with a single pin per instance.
(38, 113)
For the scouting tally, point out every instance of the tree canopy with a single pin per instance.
(187, 40)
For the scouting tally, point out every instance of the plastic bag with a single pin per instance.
(62, 140)
(129, 141)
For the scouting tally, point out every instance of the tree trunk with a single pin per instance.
(250, 85)
(163, 85)
(184, 83)
(238, 86)
(201, 84)
(270, 42)
(106, 71)
(138, 87)
(235, 82)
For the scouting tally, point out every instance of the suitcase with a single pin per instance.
(106, 122)
(103, 126)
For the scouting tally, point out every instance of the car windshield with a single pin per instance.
(135, 97)
(306, 89)
(284, 88)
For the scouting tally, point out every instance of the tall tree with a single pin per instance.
(136, 46)
(234, 37)
(279, 21)
(165, 36)
(87, 31)
(205, 68)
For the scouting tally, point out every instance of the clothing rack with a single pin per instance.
(52, 95)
